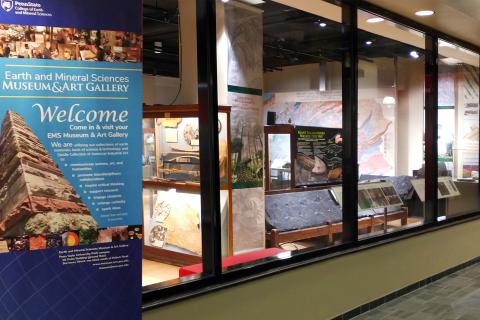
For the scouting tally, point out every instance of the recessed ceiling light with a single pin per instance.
(322, 24)
(375, 20)
(414, 54)
(424, 13)
(368, 43)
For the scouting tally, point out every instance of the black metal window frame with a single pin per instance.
(214, 277)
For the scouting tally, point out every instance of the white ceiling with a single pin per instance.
(458, 18)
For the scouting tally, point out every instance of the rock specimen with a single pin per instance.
(183, 229)
(35, 198)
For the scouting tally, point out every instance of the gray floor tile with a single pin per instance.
(455, 297)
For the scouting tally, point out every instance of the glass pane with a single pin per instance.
(458, 140)
(391, 73)
(280, 72)
(279, 155)
(170, 158)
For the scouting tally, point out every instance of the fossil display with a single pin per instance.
(183, 229)
(157, 236)
(175, 223)
(35, 198)
(191, 134)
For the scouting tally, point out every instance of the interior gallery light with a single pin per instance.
(389, 100)
(158, 47)
(322, 24)
(414, 54)
(368, 42)
(424, 13)
(375, 20)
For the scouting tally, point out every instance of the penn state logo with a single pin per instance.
(7, 5)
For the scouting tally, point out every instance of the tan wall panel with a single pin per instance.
(326, 289)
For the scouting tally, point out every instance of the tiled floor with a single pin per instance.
(455, 297)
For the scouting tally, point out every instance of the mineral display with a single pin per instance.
(35, 197)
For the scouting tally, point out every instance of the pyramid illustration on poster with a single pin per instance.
(35, 197)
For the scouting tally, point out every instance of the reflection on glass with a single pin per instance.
(390, 126)
(279, 161)
(148, 156)
(458, 131)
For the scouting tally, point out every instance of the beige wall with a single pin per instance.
(410, 122)
(159, 89)
(304, 77)
(326, 289)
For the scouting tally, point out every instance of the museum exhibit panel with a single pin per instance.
(458, 138)
(391, 73)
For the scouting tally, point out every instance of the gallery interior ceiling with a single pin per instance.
(294, 37)
(458, 18)
(160, 37)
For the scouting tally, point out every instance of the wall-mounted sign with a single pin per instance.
(318, 156)
(70, 184)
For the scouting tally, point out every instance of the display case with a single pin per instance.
(171, 183)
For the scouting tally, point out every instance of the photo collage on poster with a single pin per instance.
(39, 207)
(54, 43)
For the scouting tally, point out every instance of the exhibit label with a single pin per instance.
(318, 155)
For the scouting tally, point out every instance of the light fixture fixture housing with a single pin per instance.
(424, 13)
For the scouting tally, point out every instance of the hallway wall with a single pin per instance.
(327, 289)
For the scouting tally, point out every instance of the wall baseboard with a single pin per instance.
(396, 294)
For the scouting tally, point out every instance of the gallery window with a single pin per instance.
(458, 121)
(280, 70)
(171, 142)
(391, 156)
(284, 94)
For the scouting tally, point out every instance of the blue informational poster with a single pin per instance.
(70, 159)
